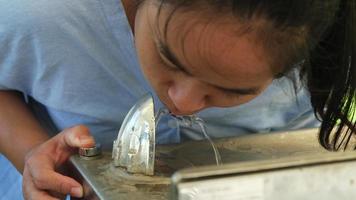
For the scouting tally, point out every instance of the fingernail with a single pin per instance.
(76, 192)
(86, 140)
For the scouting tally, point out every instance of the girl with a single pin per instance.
(75, 63)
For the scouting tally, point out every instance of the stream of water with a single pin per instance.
(189, 121)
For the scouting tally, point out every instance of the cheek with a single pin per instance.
(223, 99)
(220, 99)
(156, 71)
(159, 75)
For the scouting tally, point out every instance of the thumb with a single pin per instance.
(77, 136)
(70, 139)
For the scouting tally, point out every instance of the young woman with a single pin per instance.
(65, 63)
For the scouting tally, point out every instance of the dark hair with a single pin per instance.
(331, 78)
(320, 35)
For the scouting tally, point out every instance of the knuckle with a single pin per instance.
(28, 159)
(64, 188)
(40, 182)
(29, 162)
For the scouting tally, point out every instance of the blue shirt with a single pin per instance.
(76, 63)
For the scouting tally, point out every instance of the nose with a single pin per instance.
(188, 96)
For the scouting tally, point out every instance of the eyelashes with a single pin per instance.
(164, 61)
(168, 64)
(231, 95)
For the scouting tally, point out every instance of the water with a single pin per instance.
(159, 115)
(201, 123)
(189, 121)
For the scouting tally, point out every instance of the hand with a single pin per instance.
(41, 176)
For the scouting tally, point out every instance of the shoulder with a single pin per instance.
(34, 16)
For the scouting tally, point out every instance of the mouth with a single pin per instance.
(176, 112)
(173, 109)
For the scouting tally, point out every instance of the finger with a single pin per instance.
(78, 136)
(57, 195)
(63, 145)
(30, 192)
(59, 183)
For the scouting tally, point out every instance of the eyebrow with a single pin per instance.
(169, 56)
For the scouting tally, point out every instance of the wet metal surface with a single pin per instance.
(104, 181)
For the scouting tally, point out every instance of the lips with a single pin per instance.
(171, 107)
(167, 102)
(174, 111)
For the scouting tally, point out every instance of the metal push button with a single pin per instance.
(91, 152)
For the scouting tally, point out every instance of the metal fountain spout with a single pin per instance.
(134, 148)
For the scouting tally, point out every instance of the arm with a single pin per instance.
(40, 158)
(18, 125)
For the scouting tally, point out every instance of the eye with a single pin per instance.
(169, 59)
(165, 60)
(229, 94)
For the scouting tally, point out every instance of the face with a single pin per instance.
(201, 62)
